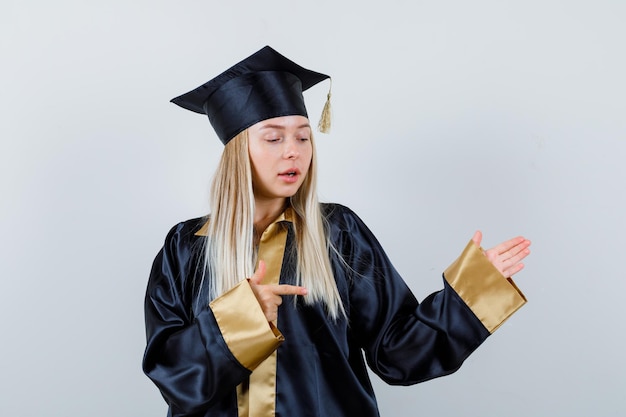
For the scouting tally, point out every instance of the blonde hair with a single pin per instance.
(229, 249)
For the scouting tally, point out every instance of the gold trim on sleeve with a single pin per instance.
(490, 296)
(245, 329)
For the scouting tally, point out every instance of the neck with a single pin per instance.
(266, 211)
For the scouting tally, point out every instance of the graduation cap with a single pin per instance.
(262, 86)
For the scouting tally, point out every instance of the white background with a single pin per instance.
(448, 116)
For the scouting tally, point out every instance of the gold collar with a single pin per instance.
(285, 216)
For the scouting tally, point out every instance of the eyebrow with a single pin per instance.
(272, 126)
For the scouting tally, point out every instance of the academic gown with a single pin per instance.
(225, 359)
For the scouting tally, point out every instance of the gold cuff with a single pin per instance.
(244, 327)
(490, 296)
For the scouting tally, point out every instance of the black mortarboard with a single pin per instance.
(262, 86)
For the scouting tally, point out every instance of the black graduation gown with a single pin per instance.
(195, 357)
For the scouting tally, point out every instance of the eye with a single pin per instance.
(272, 140)
(304, 139)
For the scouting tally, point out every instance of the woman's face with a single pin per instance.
(280, 153)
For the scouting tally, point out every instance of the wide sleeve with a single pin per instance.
(197, 361)
(405, 341)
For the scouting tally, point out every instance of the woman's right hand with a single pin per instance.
(269, 296)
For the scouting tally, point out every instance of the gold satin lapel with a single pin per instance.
(257, 397)
(262, 392)
(490, 296)
(271, 250)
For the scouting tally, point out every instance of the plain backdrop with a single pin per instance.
(449, 116)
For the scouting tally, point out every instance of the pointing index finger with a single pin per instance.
(285, 289)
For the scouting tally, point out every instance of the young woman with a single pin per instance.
(273, 304)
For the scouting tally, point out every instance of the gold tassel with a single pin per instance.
(324, 123)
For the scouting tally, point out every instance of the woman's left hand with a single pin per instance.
(506, 256)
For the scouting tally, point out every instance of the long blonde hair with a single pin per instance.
(229, 250)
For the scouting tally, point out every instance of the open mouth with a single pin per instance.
(290, 176)
(290, 173)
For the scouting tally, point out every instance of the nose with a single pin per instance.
(291, 150)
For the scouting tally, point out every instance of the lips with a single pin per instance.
(291, 172)
(290, 175)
